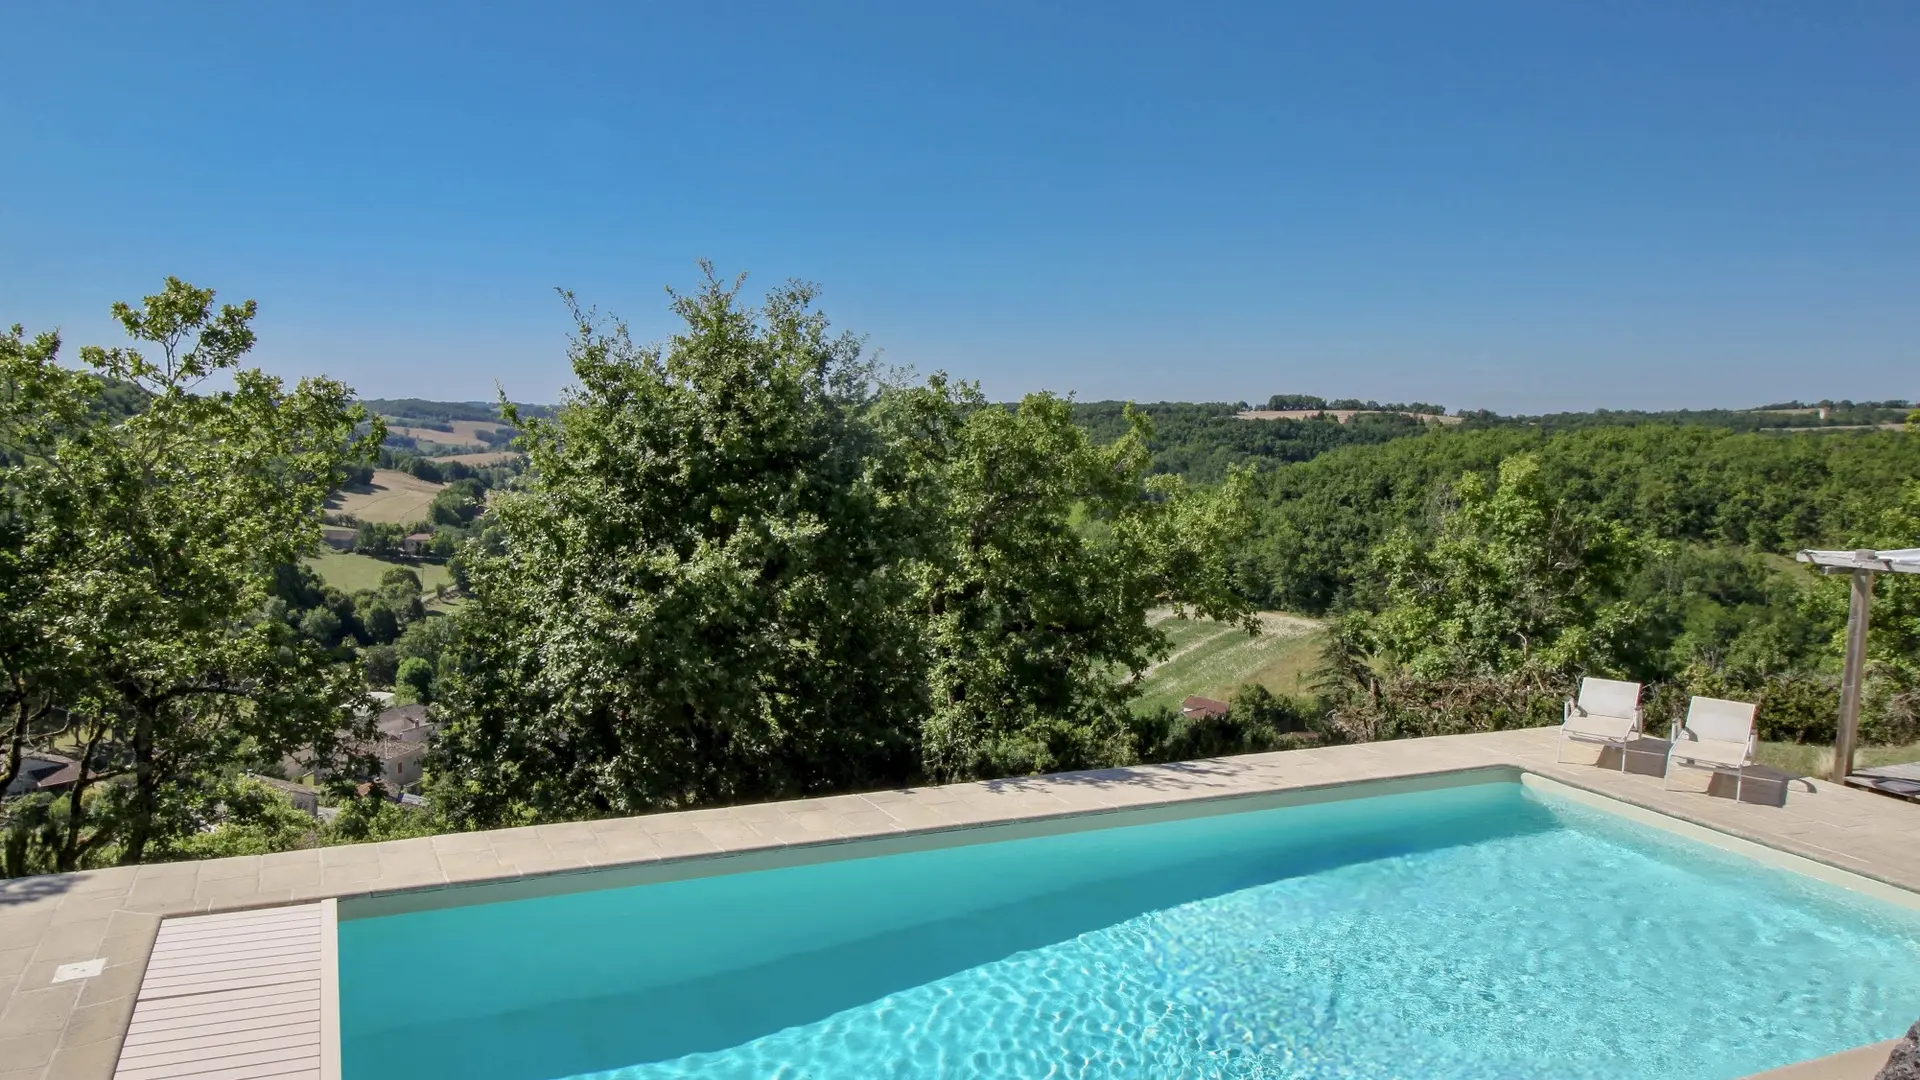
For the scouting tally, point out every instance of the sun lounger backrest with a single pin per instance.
(1719, 719)
(1609, 697)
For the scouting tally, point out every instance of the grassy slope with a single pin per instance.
(350, 573)
(1214, 659)
(394, 497)
(1805, 760)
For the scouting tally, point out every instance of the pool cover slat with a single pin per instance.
(229, 997)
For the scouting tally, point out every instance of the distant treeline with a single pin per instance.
(1295, 402)
(1201, 442)
(441, 414)
(1840, 414)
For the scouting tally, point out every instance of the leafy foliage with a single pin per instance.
(1204, 443)
(141, 552)
(1515, 578)
(742, 568)
(1656, 571)
(1488, 620)
(1771, 493)
(1043, 565)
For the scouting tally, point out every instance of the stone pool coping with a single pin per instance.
(73, 1030)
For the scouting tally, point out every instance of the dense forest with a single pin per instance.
(1204, 442)
(737, 565)
(1704, 510)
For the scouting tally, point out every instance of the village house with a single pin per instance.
(1204, 708)
(406, 733)
(41, 771)
(300, 795)
(399, 748)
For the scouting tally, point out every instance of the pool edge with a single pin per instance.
(1762, 853)
(927, 838)
(331, 1037)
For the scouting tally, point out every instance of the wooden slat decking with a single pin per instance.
(1899, 780)
(235, 996)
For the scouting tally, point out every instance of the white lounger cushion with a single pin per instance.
(1595, 726)
(1711, 751)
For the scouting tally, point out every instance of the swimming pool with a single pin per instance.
(1481, 930)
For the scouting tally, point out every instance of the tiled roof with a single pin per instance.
(1205, 706)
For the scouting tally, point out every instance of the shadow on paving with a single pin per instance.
(17, 891)
(1764, 784)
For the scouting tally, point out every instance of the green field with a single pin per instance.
(1214, 659)
(350, 573)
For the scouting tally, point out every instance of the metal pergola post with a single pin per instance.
(1858, 611)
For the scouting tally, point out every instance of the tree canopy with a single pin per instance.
(743, 566)
(141, 550)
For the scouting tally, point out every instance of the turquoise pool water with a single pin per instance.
(1472, 932)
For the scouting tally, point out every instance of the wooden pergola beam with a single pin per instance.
(1862, 563)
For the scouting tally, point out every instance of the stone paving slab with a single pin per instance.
(73, 1030)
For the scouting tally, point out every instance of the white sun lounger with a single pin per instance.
(1717, 735)
(1607, 712)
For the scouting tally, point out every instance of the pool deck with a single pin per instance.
(74, 1029)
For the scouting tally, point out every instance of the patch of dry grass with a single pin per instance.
(393, 497)
(1215, 659)
(464, 431)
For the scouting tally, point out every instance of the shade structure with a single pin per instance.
(1896, 561)
(1862, 563)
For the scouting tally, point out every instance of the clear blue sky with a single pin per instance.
(1532, 205)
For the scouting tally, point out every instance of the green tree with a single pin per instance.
(382, 626)
(697, 596)
(1891, 710)
(322, 625)
(248, 818)
(40, 404)
(456, 504)
(380, 664)
(380, 539)
(371, 818)
(414, 680)
(400, 580)
(1516, 578)
(1047, 553)
(1486, 623)
(400, 592)
(156, 538)
(741, 567)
